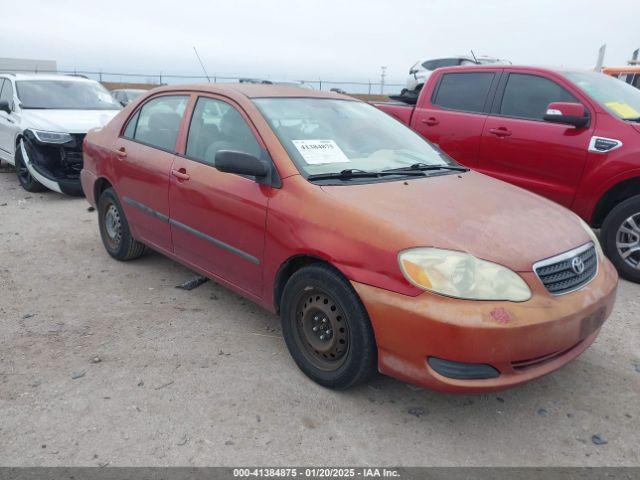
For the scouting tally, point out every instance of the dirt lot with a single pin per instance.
(104, 362)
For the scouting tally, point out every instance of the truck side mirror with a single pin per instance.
(567, 113)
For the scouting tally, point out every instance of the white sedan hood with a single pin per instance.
(68, 121)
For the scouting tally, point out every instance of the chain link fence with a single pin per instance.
(361, 87)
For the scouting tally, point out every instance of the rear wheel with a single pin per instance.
(621, 238)
(25, 178)
(114, 229)
(327, 329)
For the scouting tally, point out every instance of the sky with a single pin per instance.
(311, 39)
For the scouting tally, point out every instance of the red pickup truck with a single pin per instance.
(570, 136)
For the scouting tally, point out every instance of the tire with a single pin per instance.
(114, 229)
(27, 182)
(318, 301)
(620, 238)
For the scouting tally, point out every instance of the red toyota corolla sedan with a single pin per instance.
(376, 248)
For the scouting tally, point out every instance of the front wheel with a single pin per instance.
(114, 229)
(25, 178)
(327, 329)
(621, 238)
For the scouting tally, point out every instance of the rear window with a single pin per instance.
(464, 91)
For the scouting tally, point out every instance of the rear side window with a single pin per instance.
(464, 91)
(215, 126)
(442, 62)
(158, 121)
(527, 96)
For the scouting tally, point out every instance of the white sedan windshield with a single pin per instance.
(326, 136)
(64, 94)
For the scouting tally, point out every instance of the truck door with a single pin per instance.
(453, 115)
(519, 147)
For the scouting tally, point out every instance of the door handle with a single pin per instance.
(121, 153)
(180, 174)
(500, 132)
(431, 121)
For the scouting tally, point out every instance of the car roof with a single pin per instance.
(500, 66)
(253, 90)
(45, 76)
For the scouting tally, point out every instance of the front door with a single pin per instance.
(144, 154)
(218, 219)
(519, 147)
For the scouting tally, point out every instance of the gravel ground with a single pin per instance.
(107, 363)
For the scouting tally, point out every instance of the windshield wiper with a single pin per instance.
(421, 167)
(636, 119)
(356, 173)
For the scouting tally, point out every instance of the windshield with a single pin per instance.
(327, 136)
(619, 98)
(64, 94)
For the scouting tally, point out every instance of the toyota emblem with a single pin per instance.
(577, 264)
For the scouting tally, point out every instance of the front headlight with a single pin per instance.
(51, 137)
(461, 275)
(594, 239)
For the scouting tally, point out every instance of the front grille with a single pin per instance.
(561, 274)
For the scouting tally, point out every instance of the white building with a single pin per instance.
(25, 65)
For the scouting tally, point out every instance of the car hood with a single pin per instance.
(469, 212)
(68, 121)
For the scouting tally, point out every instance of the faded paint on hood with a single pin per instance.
(469, 212)
(67, 121)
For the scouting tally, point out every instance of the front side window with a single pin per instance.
(528, 96)
(7, 91)
(158, 122)
(464, 91)
(65, 95)
(327, 136)
(216, 125)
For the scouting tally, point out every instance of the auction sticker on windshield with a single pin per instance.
(318, 152)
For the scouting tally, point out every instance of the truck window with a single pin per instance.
(527, 96)
(463, 91)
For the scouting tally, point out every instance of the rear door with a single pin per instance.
(454, 115)
(218, 219)
(518, 146)
(143, 155)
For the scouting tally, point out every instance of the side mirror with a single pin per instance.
(4, 106)
(241, 164)
(567, 113)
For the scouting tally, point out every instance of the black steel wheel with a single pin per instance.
(326, 328)
(114, 229)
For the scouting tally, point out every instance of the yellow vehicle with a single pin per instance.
(629, 74)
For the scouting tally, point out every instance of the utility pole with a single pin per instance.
(383, 74)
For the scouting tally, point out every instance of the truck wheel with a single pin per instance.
(621, 238)
(327, 329)
(114, 229)
(27, 182)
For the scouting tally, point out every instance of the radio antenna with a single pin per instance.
(202, 65)
(472, 54)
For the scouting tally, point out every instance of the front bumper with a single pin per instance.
(523, 341)
(56, 166)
